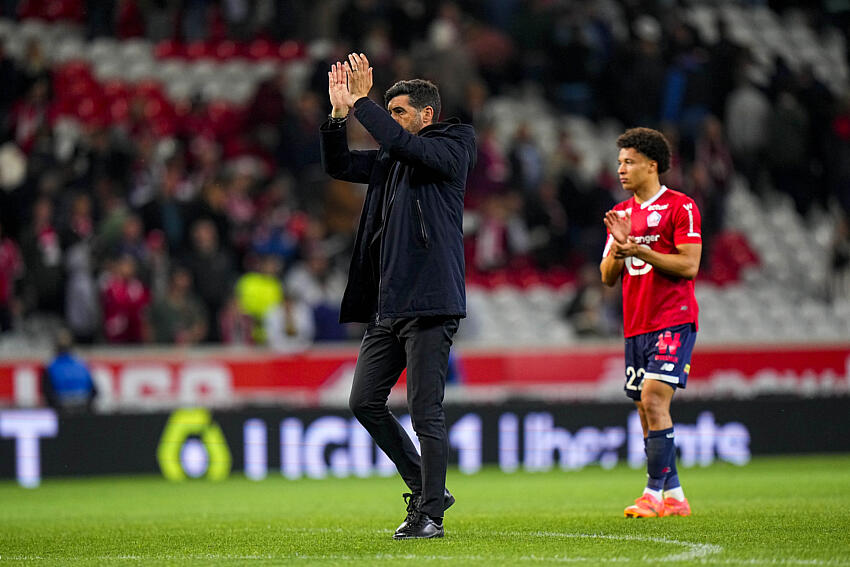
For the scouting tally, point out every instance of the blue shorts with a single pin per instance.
(660, 355)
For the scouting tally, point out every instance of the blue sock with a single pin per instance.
(672, 480)
(659, 446)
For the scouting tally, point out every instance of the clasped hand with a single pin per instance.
(620, 227)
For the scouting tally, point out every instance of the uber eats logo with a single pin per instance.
(193, 445)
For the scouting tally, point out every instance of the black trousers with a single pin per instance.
(421, 344)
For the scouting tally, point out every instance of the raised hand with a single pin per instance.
(620, 226)
(359, 75)
(338, 91)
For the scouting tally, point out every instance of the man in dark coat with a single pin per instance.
(406, 278)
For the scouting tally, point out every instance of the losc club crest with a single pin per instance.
(653, 219)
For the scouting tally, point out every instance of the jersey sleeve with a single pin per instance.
(687, 223)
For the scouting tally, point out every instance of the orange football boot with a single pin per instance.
(673, 507)
(647, 506)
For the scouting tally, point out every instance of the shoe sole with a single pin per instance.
(435, 536)
(638, 516)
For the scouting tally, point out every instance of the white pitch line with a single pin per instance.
(694, 551)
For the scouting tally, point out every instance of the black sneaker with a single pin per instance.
(413, 500)
(421, 527)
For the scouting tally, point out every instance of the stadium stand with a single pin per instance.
(127, 124)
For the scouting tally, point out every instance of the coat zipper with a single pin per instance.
(422, 222)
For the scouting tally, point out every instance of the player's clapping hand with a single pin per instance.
(619, 224)
(359, 76)
(621, 250)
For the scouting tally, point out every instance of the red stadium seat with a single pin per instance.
(92, 111)
(169, 48)
(200, 50)
(150, 90)
(65, 10)
(262, 49)
(290, 50)
(227, 50)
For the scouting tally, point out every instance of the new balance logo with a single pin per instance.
(667, 367)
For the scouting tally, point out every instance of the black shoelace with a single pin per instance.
(412, 501)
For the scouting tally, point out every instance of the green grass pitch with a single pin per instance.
(774, 511)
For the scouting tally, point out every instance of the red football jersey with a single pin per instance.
(653, 300)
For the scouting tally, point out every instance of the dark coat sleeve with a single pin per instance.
(445, 155)
(338, 161)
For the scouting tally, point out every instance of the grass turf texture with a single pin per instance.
(774, 511)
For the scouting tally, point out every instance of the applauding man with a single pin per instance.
(406, 278)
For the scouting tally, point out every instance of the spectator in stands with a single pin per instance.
(788, 140)
(502, 236)
(635, 77)
(82, 314)
(526, 161)
(124, 298)
(274, 235)
(239, 204)
(213, 272)
(131, 240)
(11, 270)
(44, 281)
(489, 175)
(839, 282)
(594, 309)
(711, 178)
(167, 210)
(299, 142)
(320, 287)
(838, 161)
(66, 381)
(9, 78)
(35, 67)
(30, 115)
(289, 326)
(178, 316)
(235, 327)
(547, 224)
(260, 291)
(746, 117)
(211, 204)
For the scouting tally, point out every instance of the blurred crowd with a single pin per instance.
(201, 234)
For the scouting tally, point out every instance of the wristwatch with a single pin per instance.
(334, 121)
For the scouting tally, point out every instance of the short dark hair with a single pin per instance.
(422, 93)
(650, 143)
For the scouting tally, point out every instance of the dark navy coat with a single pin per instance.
(420, 252)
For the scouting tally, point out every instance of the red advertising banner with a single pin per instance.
(155, 380)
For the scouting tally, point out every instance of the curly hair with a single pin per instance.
(650, 143)
(422, 93)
